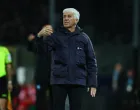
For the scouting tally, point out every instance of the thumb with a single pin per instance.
(88, 89)
(92, 93)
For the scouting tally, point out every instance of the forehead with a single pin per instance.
(68, 13)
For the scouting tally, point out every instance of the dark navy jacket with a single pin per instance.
(73, 58)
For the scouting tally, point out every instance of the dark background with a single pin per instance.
(111, 20)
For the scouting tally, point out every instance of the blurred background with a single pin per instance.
(113, 26)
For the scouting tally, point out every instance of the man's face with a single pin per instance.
(69, 20)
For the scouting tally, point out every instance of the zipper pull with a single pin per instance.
(79, 48)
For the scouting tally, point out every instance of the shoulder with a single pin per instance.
(85, 36)
(3, 48)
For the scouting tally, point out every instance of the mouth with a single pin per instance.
(66, 22)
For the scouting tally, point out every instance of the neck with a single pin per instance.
(72, 29)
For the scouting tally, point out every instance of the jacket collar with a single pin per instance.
(62, 29)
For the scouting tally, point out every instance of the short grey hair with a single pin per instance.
(74, 11)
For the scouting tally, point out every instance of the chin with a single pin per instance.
(67, 26)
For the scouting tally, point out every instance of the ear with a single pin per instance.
(76, 21)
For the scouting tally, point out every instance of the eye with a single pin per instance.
(64, 16)
(69, 16)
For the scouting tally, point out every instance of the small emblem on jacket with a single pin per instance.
(79, 48)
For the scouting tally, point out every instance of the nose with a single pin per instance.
(66, 19)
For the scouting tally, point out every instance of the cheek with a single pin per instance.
(72, 21)
(75, 22)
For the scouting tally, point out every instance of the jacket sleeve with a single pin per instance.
(50, 41)
(31, 46)
(91, 64)
(38, 46)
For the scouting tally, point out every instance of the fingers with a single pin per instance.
(46, 31)
(47, 26)
(92, 93)
(88, 89)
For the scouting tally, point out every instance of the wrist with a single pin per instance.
(38, 35)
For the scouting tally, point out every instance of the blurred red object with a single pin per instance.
(26, 97)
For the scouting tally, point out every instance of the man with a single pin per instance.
(6, 72)
(42, 73)
(74, 66)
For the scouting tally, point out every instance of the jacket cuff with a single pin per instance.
(92, 86)
(92, 81)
